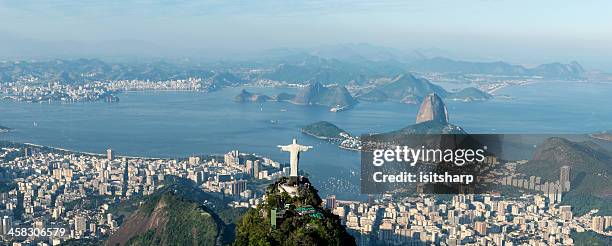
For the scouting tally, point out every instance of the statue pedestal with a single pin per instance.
(293, 180)
(293, 185)
(291, 190)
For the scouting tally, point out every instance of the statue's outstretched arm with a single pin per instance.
(305, 148)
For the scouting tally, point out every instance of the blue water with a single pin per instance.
(173, 124)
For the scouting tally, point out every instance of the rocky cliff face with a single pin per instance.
(169, 219)
(432, 118)
(432, 109)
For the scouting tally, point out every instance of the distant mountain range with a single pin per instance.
(573, 70)
(83, 70)
(406, 88)
(304, 68)
(353, 64)
(366, 52)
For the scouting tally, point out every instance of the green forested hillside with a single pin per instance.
(304, 221)
(590, 165)
(178, 214)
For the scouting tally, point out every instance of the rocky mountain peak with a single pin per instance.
(432, 109)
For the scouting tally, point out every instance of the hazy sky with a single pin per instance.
(527, 32)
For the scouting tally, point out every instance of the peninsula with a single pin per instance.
(605, 135)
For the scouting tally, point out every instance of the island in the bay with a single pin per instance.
(404, 88)
(325, 130)
(335, 97)
(246, 96)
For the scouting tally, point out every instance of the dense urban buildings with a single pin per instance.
(50, 187)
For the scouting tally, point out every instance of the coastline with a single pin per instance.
(331, 140)
(506, 85)
(90, 153)
(160, 90)
(606, 137)
(58, 149)
(319, 137)
(348, 148)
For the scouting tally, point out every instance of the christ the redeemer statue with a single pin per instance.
(294, 150)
